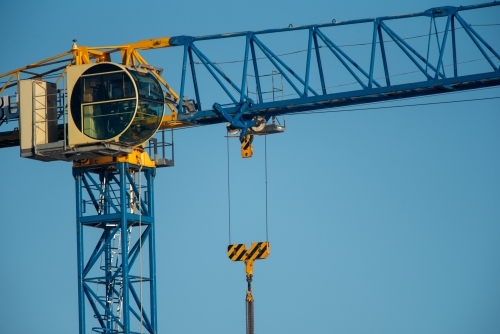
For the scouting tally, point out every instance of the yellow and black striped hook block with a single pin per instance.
(257, 251)
(246, 146)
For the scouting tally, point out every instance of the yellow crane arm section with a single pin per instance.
(129, 54)
(85, 55)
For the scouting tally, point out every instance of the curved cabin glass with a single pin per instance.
(114, 102)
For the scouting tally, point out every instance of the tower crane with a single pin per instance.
(111, 114)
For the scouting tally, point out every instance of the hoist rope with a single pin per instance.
(218, 63)
(329, 110)
(139, 207)
(265, 172)
(228, 189)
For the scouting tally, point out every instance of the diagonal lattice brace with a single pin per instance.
(330, 44)
(143, 208)
(91, 195)
(137, 300)
(101, 303)
(271, 55)
(100, 247)
(101, 192)
(132, 254)
(211, 68)
(471, 32)
(441, 49)
(405, 47)
(97, 314)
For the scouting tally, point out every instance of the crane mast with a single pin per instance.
(108, 112)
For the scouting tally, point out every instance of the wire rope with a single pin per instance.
(328, 110)
(344, 45)
(265, 172)
(138, 207)
(390, 76)
(228, 189)
(304, 50)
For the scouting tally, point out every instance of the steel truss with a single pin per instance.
(116, 274)
(309, 92)
(241, 110)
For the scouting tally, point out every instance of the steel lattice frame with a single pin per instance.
(117, 201)
(241, 110)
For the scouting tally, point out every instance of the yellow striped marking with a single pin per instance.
(257, 251)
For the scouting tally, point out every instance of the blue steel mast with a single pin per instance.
(117, 200)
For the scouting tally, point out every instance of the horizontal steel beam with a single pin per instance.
(436, 11)
(363, 96)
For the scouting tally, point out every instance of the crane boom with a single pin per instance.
(240, 109)
(432, 79)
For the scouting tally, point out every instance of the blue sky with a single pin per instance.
(380, 221)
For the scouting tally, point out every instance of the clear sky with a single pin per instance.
(380, 220)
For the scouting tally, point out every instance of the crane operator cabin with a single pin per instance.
(108, 102)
